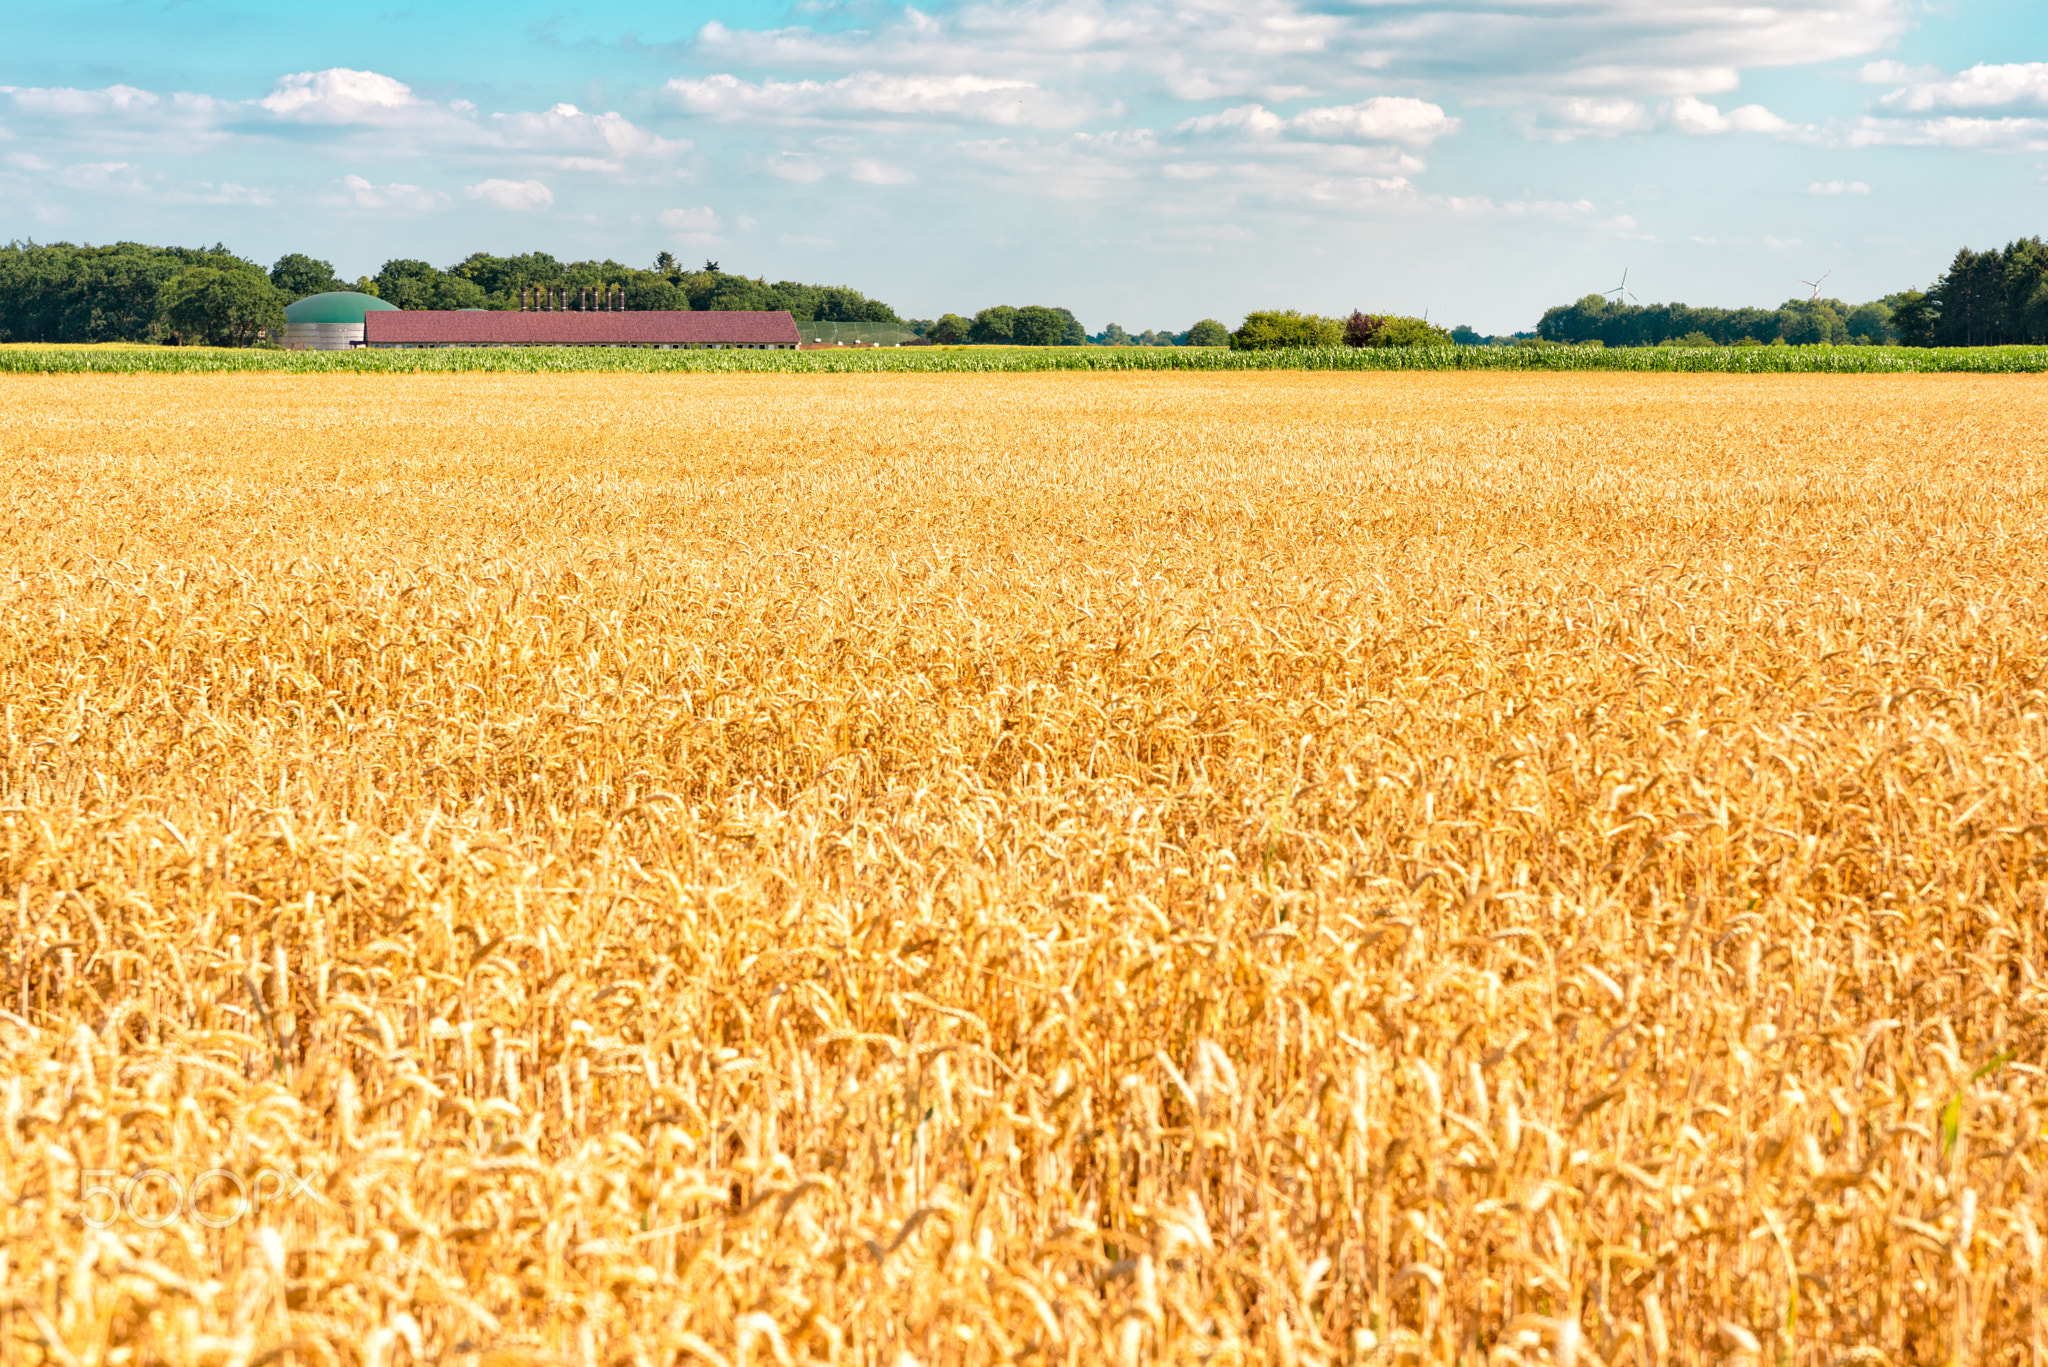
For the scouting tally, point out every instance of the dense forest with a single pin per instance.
(1988, 298)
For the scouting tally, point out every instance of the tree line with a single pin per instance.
(134, 292)
(1988, 298)
(129, 291)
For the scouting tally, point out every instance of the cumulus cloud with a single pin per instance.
(870, 94)
(342, 95)
(519, 196)
(1838, 187)
(1565, 120)
(611, 138)
(1384, 118)
(358, 193)
(1697, 117)
(1969, 134)
(1984, 86)
(692, 227)
(1585, 116)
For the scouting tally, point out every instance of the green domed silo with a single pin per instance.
(329, 322)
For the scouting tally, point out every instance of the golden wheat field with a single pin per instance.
(890, 870)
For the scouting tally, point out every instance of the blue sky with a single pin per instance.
(1144, 162)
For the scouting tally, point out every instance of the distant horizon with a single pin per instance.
(1117, 157)
(1093, 328)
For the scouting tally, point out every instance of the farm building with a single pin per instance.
(331, 321)
(652, 328)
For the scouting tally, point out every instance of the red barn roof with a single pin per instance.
(446, 327)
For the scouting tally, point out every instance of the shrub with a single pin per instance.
(1360, 328)
(1208, 332)
(1276, 328)
(1393, 331)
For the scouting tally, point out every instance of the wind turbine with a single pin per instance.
(1622, 288)
(1816, 283)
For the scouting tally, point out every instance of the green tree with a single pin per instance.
(1969, 301)
(297, 275)
(1273, 329)
(736, 293)
(1037, 325)
(994, 326)
(207, 306)
(1208, 332)
(418, 285)
(950, 329)
(1870, 323)
(1914, 318)
(2037, 312)
(1812, 322)
(647, 290)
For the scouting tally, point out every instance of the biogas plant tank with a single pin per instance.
(329, 322)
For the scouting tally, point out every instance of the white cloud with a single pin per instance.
(520, 196)
(1838, 187)
(341, 95)
(978, 99)
(1984, 86)
(1892, 73)
(227, 192)
(72, 104)
(795, 166)
(868, 171)
(101, 175)
(692, 227)
(28, 161)
(565, 128)
(1253, 119)
(1967, 134)
(376, 112)
(1695, 116)
(1282, 49)
(1567, 120)
(1384, 118)
(359, 193)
